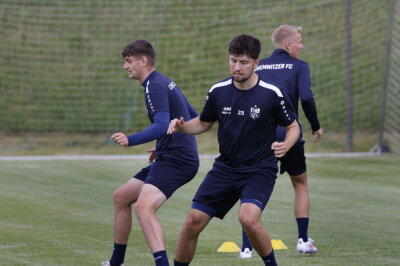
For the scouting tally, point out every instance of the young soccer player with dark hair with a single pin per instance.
(176, 158)
(292, 75)
(248, 111)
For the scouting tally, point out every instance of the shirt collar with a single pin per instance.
(280, 51)
(148, 78)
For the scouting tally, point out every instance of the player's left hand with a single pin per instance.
(279, 148)
(120, 138)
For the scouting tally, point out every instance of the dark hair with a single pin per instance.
(140, 48)
(245, 45)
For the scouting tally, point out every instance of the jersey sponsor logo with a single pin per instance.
(274, 66)
(226, 110)
(172, 85)
(255, 112)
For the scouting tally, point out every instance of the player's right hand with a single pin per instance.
(175, 125)
(279, 148)
(120, 138)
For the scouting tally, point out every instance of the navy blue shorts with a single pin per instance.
(168, 175)
(294, 161)
(222, 188)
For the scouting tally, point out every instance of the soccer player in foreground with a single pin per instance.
(176, 159)
(292, 75)
(248, 111)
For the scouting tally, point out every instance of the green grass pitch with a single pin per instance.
(61, 213)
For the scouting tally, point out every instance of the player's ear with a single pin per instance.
(143, 60)
(288, 45)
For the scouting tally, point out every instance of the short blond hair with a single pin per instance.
(282, 33)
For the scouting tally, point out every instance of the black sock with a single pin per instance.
(269, 260)
(118, 255)
(302, 226)
(245, 241)
(177, 263)
(160, 258)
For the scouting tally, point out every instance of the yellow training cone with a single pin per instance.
(278, 244)
(228, 247)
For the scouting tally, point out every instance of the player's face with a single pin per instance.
(133, 65)
(295, 45)
(241, 67)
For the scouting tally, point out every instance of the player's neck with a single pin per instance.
(146, 73)
(248, 84)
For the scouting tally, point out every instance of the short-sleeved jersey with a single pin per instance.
(247, 122)
(163, 95)
(293, 77)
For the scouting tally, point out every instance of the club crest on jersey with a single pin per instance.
(255, 112)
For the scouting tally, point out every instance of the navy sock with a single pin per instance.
(118, 255)
(302, 226)
(245, 241)
(269, 260)
(160, 258)
(177, 263)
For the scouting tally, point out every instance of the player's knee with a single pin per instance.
(193, 223)
(117, 196)
(141, 208)
(247, 222)
(120, 197)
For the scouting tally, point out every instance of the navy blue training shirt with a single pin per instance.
(293, 77)
(165, 101)
(247, 122)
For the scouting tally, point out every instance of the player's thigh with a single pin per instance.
(129, 192)
(217, 194)
(258, 187)
(170, 175)
(150, 197)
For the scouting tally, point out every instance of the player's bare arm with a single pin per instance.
(120, 138)
(292, 134)
(192, 127)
